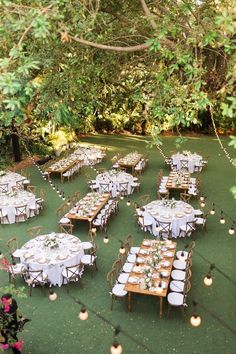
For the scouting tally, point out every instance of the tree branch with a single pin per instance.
(148, 14)
(134, 48)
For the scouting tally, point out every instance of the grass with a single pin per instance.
(55, 327)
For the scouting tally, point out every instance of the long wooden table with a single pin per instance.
(96, 202)
(61, 170)
(130, 161)
(172, 184)
(136, 289)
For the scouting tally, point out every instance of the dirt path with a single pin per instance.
(24, 163)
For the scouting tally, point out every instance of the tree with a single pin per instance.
(65, 61)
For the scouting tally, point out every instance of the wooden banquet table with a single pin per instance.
(161, 273)
(130, 160)
(88, 207)
(62, 167)
(178, 181)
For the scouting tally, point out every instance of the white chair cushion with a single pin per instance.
(200, 221)
(181, 265)
(64, 220)
(175, 299)
(134, 250)
(177, 286)
(197, 212)
(18, 268)
(127, 267)
(118, 290)
(180, 256)
(178, 274)
(86, 245)
(131, 258)
(87, 259)
(123, 277)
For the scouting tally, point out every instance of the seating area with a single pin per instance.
(97, 266)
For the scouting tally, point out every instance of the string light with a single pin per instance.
(222, 219)
(231, 160)
(83, 315)
(116, 348)
(52, 295)
(231, 229)
(122, 248)
(208, 278)
(128, 203)
(213, 211)
(195, 319)
(105, 239)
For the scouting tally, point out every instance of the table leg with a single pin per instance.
(129, 301)
(161, 306)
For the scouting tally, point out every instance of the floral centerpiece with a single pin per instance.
(2, 173)
(51, 241)
(11, 193)
(148, 280)
(186, 152)
(169, 203)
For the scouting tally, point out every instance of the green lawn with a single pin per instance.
(55, 327)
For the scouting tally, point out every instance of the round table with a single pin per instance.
(10, 200)
(193, 160)
(12, 179)
(162, 211)
(37, 256)
(114, 178)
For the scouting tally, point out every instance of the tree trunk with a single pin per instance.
(16, 146)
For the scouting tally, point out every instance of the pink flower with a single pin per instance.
(18, 345)
(6, 304)
(4, 346)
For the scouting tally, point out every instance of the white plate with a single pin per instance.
(133, 280)
(165, 273)
(137, 269)
(146, 243)
(165, 264)
(41, 260)
(168, 254)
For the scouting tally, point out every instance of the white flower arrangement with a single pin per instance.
(169, 203)
(51, 241)
(186, 152)
(11, 193)
(148, 281)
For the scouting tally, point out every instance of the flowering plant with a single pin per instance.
(51, 241)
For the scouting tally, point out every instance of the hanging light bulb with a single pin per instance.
(93, 230)
(212, 212)
(208, 280)
(50, 182)
(58, 191)
(60, 194)
(202, 198)
(232, 230)
(52, 295)
(222, 219)
(63, 196)
(195, 320)
(83, 315)
(128, 203)
(202, 204)
(122, 249)
(53, 187)
(116, 348)
(121, 197)
(68, 202)
(105, 239)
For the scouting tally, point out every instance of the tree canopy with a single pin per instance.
(133, 64)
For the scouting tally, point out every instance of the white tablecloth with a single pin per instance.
(114, 178)
(179, 215)
(193, 160)
(11, 178)
(36, 256)
(8, 203)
